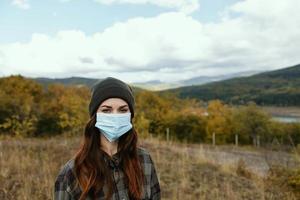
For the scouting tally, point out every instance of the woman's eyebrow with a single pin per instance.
(106, 106)
(111, 107)
(123, 106)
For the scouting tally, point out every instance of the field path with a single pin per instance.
(257, 161)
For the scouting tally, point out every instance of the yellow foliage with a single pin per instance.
(218, 120)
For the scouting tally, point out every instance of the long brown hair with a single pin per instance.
(93, 173)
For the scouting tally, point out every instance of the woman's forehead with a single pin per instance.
(114, 102)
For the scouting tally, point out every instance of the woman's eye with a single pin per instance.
(105, 111)
(124, 110)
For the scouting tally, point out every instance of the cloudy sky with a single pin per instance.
(143, 40)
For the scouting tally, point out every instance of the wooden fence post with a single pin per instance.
(167, 130)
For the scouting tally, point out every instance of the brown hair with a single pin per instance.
(92, 171)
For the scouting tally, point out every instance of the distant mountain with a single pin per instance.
(206, 79)
(157, 85)
(279, 87)
(74, 81)
(149, 85)
(67, 81)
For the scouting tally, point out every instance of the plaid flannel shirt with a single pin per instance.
(65, 188)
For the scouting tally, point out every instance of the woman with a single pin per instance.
(109, 164)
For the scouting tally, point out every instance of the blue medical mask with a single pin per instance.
(113, 126)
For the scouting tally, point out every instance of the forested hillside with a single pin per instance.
(29, 109)
(279, 87)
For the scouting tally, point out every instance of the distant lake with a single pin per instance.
(286, 119)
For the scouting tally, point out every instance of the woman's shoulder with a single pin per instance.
(152, 183)
(144, 156)
(142, 151)
(66, 172)
(65, 181)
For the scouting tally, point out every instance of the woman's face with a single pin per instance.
(113, 105)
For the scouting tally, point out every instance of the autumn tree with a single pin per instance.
(292, 134)
(19, 103)
(63, 109)
(218, 121)
(152, 107)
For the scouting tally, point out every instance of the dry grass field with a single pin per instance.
(28, 168)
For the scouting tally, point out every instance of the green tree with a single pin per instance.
(251, 123)
(186, 126)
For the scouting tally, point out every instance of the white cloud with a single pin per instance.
(23, 4)
(170, 46)
(185, 6)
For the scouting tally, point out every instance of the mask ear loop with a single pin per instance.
(94, 121)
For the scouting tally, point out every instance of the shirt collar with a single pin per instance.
(114, 160)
